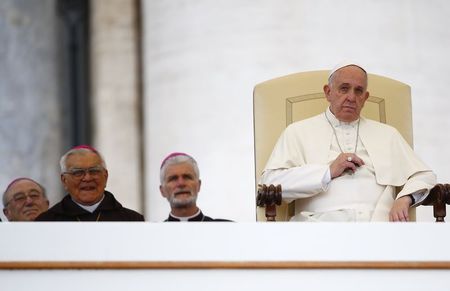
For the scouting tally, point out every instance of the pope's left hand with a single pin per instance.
(400, 209)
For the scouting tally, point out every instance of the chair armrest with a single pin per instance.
(439, 197)
(269, 197)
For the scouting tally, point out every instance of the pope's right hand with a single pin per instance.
(343, 163)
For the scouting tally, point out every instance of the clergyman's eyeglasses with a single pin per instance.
(20, 198)
(80, 173)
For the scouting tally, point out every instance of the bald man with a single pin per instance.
(24, 199)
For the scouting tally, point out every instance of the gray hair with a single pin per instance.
(81, 151)
(333, 75)
(178, 160)
(44, 192)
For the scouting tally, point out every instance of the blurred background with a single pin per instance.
(140, 79)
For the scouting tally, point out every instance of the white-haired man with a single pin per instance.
(180, 184)
(84, 176)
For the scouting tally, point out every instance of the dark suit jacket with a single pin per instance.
(109, 210)
(199, 218)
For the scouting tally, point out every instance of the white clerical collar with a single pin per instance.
(90, 208)
(336, 122)
(185, 218)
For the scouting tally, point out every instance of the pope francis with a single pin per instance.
(339, 166)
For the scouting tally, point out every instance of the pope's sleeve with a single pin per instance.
(299, 182)
(418, 185)
(287, 167)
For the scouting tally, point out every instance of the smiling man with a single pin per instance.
(84, 177)
(24, 199)
(180, 184)
(339, 166)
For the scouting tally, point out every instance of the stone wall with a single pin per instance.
(116, 96)
(30, 120)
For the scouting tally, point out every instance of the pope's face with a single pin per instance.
(180, 185)
(88, 187)
(25, 201)
(347, 93)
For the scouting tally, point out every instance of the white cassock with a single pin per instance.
(302, 156)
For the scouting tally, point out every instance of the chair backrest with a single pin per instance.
(281, 101)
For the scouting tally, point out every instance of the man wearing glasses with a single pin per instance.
(84, 176)
(24, 199)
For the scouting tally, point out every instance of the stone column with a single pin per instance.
(116, 96)
(30, 127)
